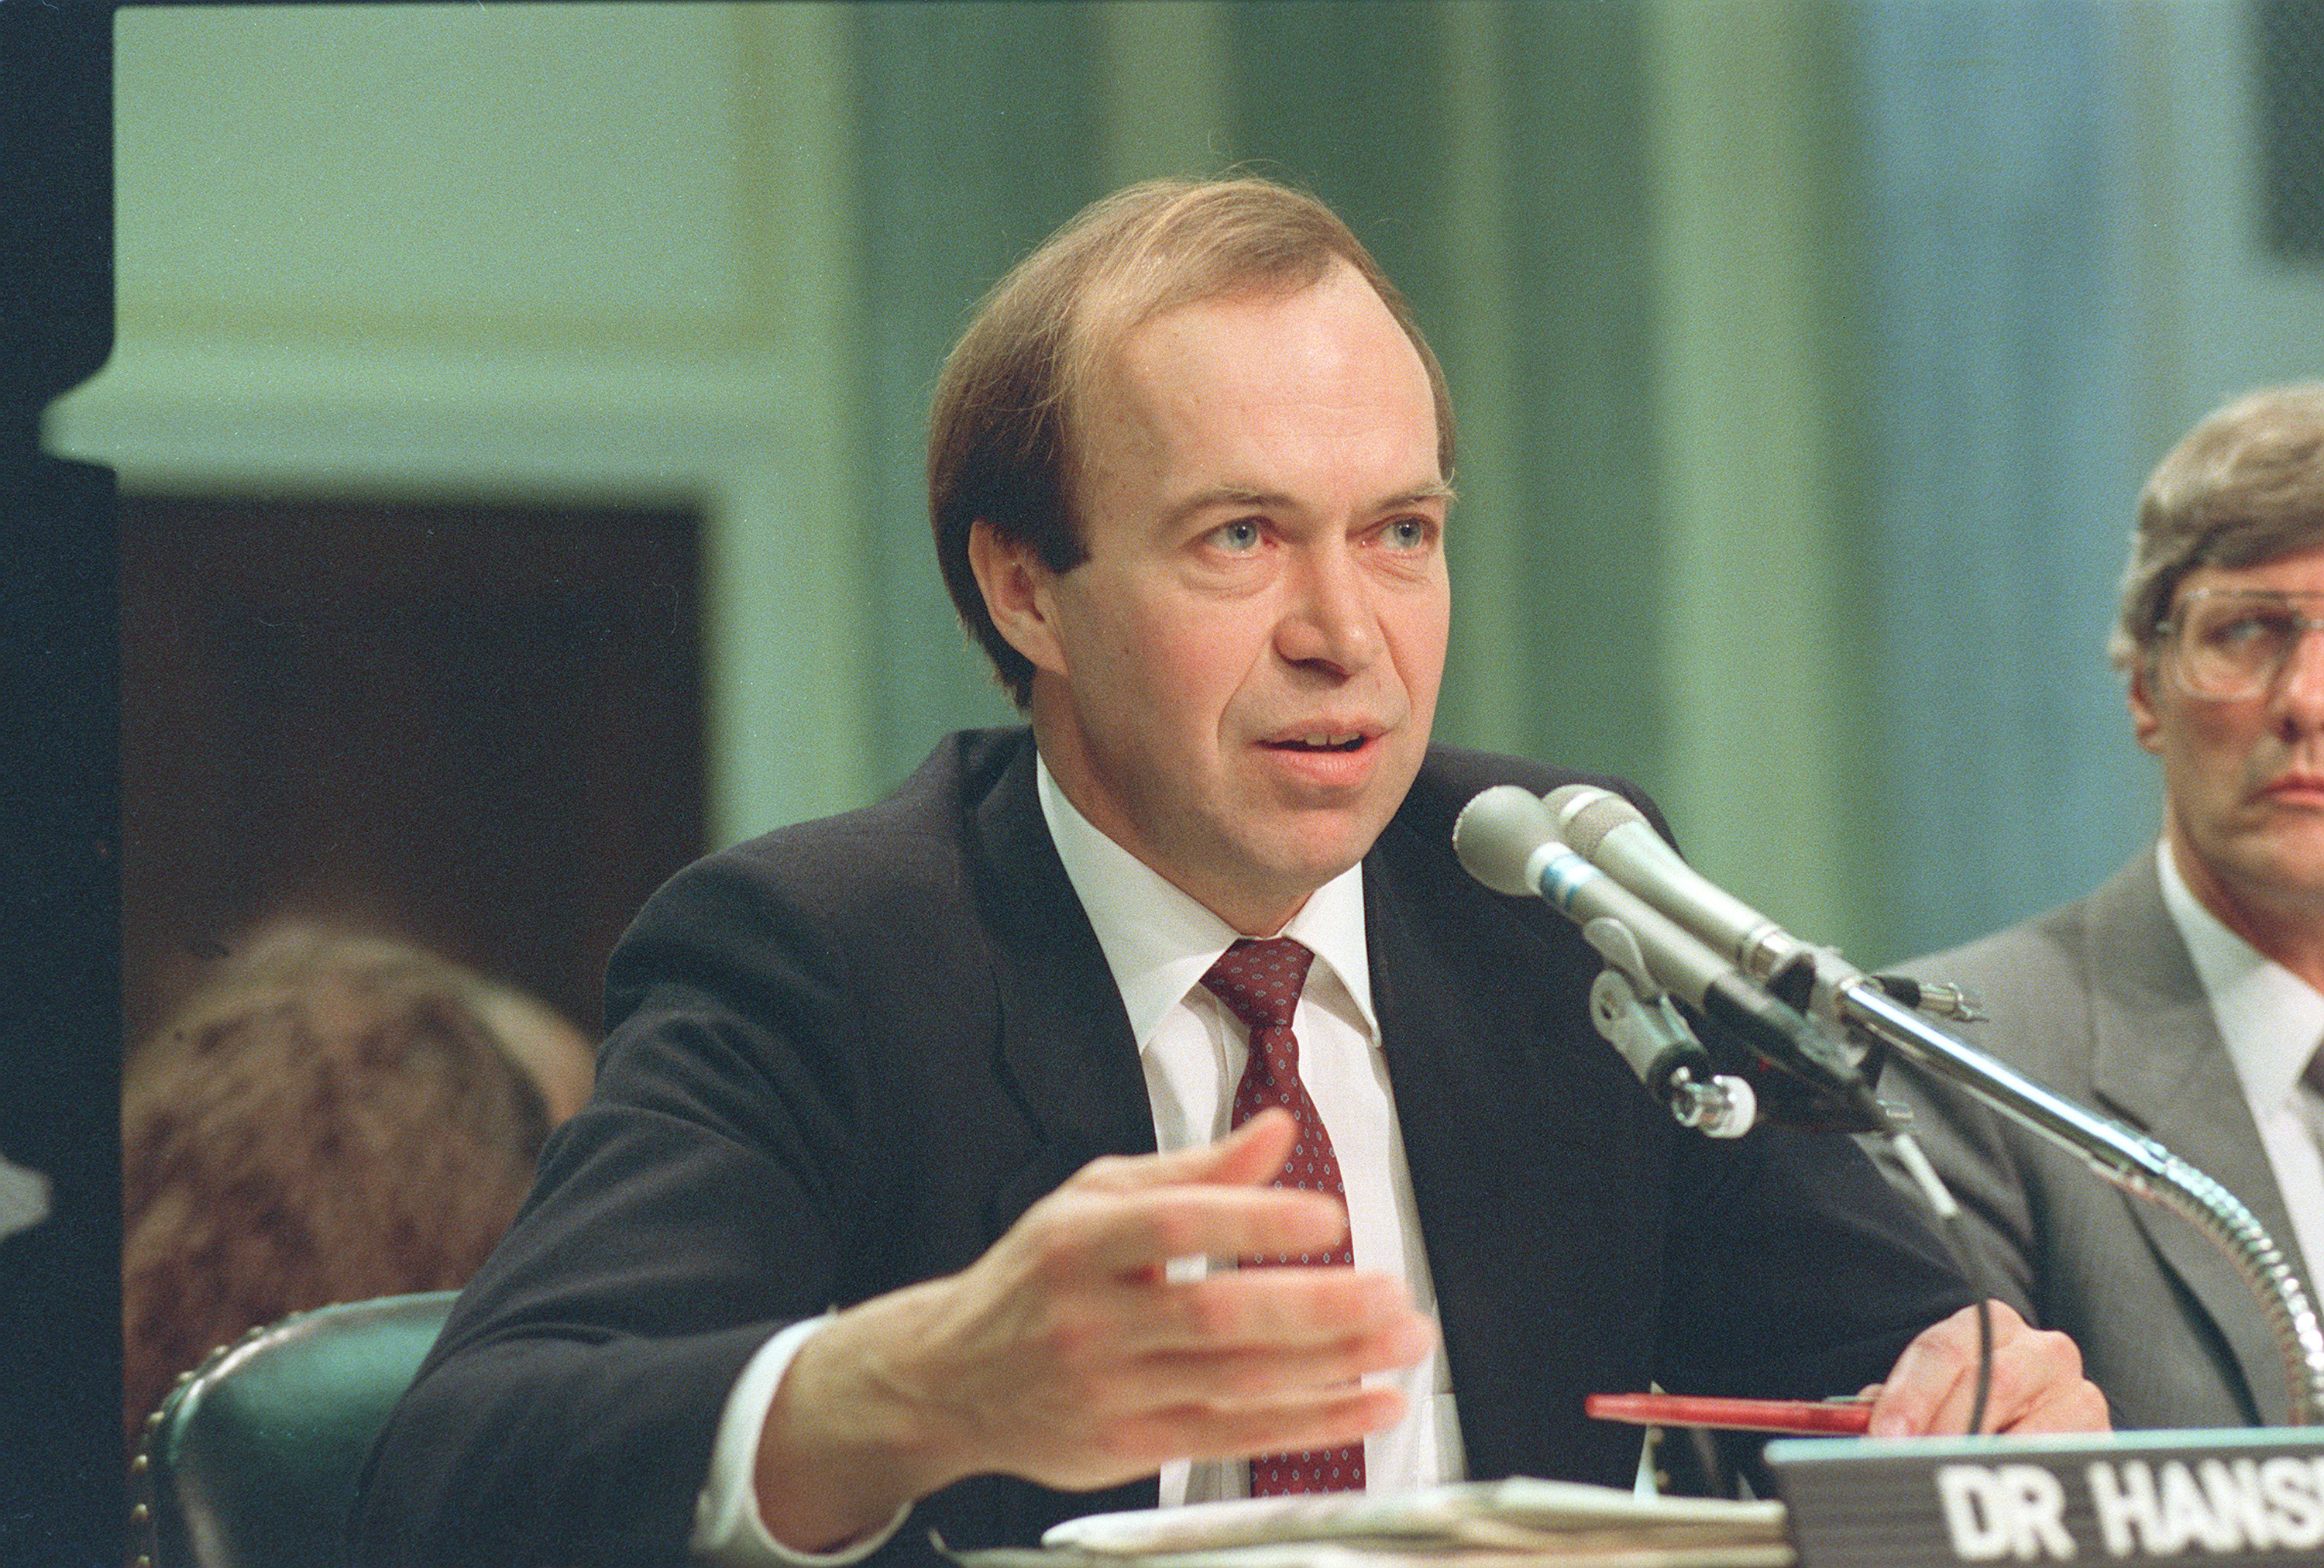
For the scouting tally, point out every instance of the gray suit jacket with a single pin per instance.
(2100, 1002)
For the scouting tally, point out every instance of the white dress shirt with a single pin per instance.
(2271, 1022)
(1159, 942)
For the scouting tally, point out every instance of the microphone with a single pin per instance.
(1507, 838)
(1614, 835)
(1617, 837)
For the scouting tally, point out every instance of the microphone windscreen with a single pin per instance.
(1497, 833)
(1584, 813)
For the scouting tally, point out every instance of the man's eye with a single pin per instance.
(2251, 629)
(1236, 536)
(1407, 533)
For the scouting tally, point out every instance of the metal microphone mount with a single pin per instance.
(2128, 1158)
(1638, 1020)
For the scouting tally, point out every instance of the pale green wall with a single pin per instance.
(1754, 615)
(512, 251)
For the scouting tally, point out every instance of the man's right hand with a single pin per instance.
(1065, 1356)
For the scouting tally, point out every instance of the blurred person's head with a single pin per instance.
(333, 1116)
(2244, 486)
(2217, 634)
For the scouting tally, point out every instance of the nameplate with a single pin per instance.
(2212, 1497)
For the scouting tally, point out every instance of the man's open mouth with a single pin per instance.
(1317, 743)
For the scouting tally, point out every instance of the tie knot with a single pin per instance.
(1259, 981)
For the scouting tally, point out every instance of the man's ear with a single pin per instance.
(2145, 724)
(1018, 589)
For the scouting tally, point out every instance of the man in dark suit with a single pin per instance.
(2186, 996)
(986, 1072)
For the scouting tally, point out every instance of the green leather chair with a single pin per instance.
(251, 1461)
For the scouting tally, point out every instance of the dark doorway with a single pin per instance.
(477, 727)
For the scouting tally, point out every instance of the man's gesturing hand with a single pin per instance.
(2037, 1381)
(1065, 1356)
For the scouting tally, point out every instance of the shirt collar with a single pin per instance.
(1159, 942)
(2270, 1020)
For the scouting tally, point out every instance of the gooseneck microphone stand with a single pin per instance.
(1874, 1011)
(2129, 1160)
(1512, 843)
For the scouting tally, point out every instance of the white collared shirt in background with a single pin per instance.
(2271, 1022)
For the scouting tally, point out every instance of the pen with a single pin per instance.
(1845, 1414)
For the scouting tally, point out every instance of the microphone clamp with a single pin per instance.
(1938, 998)
(1640, 1021)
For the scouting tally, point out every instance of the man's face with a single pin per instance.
(1237, 684)
(2246, 776)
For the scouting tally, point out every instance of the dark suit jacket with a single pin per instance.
(846, 1056)
(2100, 1002)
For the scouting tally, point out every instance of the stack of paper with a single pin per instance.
(1501, 1524)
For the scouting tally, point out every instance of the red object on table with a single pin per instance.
(1846, 1416)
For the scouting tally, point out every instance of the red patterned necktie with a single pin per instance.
(1259, 981)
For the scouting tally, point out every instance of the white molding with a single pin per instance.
(740, 438)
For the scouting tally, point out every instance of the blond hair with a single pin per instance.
(1001, 438)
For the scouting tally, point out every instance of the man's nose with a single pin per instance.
(1331, 619)
(2297, 695)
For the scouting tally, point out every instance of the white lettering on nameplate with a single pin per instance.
(2167, 1508)
(1993, 1511)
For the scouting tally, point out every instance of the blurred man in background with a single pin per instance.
(2186, 996)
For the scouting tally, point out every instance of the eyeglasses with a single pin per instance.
(2233, 642)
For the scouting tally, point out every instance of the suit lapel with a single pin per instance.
(1064, 1040)
(1518, 1258)
(2157, 1060)
(1421, 1017)
(1065, 1051)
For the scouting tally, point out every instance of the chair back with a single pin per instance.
(252, 1462)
